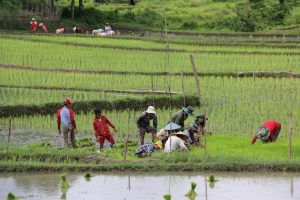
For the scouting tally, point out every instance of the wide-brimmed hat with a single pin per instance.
(159, 144)
(41, 24)
(189, 110)
(186, 137)
(151, 109)
(262, 133)
(32, 19)
(68, 101)
(172, 126)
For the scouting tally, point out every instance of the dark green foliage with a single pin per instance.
(211, 178)
(11, 196)
(253, 15)
(160, 101)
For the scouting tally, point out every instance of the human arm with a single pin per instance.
(253, 139)
(58, 121)
(182, 145)
(111, 124)
(72, 118)
(155, 122)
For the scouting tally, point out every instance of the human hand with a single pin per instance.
(115, 129)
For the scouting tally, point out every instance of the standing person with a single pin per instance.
(268, 132)
(33, 25)
(181, 116)
(143, 124)
(43, 28)
(101, 129)
(66, 117)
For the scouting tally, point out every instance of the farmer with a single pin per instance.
(168, 130)
(268, 132)
(143, 124)
(66, 117)
(178, 141)
(181, 116)
(77, 30)
(101, 129)
(60, 31)
(148, 148)
(191, 131)
(107, 28)
(33, 25)
(43, 28)
(200, 124)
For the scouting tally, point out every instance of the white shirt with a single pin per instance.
(176, 144)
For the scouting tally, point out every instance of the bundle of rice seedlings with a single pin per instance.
(11, 196)
(211, 178)
(167, 197)
(64, 185)
(192, 194)
(88, 176)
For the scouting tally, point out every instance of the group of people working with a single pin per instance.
(34, 28)
(173, 137)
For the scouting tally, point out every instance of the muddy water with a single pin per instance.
(229, 186)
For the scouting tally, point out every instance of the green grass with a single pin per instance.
(232, 153)
(88, 58)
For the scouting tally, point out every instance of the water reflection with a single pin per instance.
(137, 186)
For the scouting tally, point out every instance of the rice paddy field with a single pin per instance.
(39, 71)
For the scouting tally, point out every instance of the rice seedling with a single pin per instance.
(167, 197)
(192, 193)
(88, 176)
(64, 185)
(11, 196)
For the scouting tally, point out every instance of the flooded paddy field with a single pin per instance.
(128, 186)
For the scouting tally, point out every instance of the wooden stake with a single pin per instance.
(152, 88)
(127, 138)
(9, 130)
(196, 76)
(290, 137)
(182, 85)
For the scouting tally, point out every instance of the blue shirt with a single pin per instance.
(65, 117)
(147, 148)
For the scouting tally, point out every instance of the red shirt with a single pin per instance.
(101, 126)
(44, 29)
(72, 118)
(273, 127)
(33, 25)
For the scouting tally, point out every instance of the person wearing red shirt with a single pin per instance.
(43, 28)
(66, 118)
(33, 25)
(268, 132)
(101, 129)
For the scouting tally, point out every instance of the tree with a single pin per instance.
(80, 6)
(72, 9)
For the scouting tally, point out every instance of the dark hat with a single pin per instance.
(189, 110)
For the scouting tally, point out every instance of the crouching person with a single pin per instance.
(101, 129)
(176, 142)
(148, 148)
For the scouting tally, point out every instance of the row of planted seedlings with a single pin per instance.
(221, 147)
(25, 53)
(147, 44)
(285, 87)
(238, 105)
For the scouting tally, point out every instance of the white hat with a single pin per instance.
(41, 24)
(151, 109)
(32, 19)
(74, 28)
